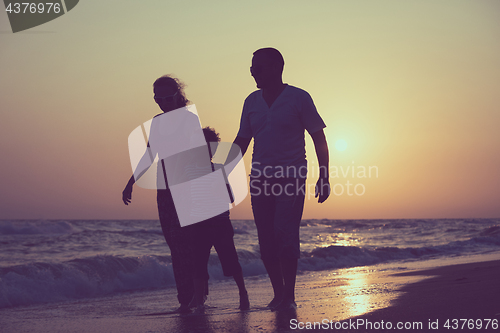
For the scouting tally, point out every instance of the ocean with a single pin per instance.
(48, 261)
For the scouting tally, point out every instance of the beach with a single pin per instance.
(345, 300)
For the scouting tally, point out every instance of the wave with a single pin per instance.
(333, 257)
(105, 275)
(398, 224)
(35, 227)
(494, 230)
(81, 278)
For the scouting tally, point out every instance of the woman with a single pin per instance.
(169, 95)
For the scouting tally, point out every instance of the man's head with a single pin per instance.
(267, 67)
(169, 94)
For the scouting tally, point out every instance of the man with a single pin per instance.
(276, 117)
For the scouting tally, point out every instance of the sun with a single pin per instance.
(341, 145)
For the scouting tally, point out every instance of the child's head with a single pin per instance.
(211, 135)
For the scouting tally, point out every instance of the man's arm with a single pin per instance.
(242, 143)
(239, 144)
(323, 184)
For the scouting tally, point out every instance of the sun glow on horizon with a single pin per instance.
(341, 145)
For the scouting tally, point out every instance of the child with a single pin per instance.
(218, 232)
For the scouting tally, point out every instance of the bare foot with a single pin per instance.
(197, 301)
(244, 302)
(183, 309)
(286, 305)
(274, 303)
(200, 309)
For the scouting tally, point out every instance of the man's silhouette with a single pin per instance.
(276, 117)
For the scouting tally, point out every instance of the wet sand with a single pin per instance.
(455, 298)
(333, 300)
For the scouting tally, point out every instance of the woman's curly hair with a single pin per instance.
(171, 81)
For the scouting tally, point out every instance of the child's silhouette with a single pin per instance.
(218, 232)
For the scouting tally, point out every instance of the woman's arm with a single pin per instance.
(127, 192)
(143, 165)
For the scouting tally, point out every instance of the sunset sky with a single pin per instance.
(412, 87)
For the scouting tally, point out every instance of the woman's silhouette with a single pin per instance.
(169, 95)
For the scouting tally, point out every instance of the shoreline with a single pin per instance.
(367, 293)
(462, 297)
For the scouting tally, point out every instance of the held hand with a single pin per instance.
(127, 194)
(322, 189)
